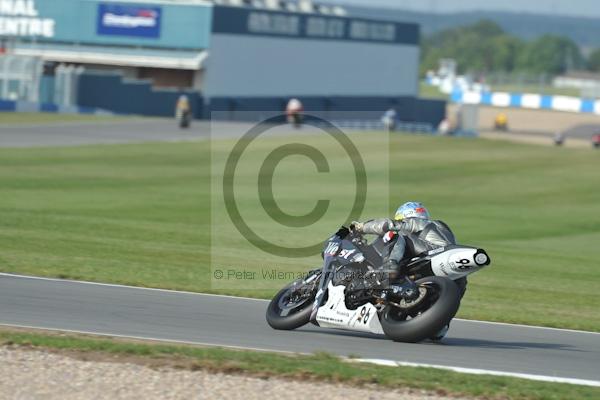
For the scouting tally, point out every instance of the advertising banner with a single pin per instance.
(129, 20)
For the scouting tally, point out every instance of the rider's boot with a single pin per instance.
(400, 283)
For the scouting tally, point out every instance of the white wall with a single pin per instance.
(245, 65)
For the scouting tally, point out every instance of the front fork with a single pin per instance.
(326, 277)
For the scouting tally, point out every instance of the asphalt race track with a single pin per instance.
(237, 322)
(85, 133)
(121, 132)
(138, 130)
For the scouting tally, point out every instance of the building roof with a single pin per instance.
(120, 56)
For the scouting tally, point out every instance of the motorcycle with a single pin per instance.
(348, 291)
(501, 122)
(184, 118)
(295, 119)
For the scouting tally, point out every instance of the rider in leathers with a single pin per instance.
(417, 234)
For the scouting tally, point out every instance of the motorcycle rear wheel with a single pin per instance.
(427, 317)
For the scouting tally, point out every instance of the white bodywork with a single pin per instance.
(334, 314)
(456, 263)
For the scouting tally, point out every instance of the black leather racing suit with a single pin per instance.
(415, 236)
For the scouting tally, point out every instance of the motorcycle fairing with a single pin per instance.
(335, 314)
(337, 253)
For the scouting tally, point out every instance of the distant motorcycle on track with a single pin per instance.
(183, 112)
(184, 118)
(340, 294)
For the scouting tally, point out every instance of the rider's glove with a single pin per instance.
(356, 226)
(342, 232)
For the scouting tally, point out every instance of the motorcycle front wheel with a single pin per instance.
(415, 321)
(291, 306)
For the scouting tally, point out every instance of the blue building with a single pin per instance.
(230, 53)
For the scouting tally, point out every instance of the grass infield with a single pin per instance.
(139, 214)
(320, 366)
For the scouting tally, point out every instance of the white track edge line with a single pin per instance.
(389, 363)
(255, 299)
(116, 285)
(476, 371)
(526, 326)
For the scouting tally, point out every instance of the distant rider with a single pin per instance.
(389, 120)
(294, 111)
(183, 111)
(416, 234)
(183, 105)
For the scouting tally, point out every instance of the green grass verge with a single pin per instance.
(537, 89)
(139, 214)
(320, 366)
(43, 118)
(433, 92)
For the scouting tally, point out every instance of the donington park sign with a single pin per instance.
(21, 18)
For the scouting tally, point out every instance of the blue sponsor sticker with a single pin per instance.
(129, 20)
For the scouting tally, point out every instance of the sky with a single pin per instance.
(585, 8)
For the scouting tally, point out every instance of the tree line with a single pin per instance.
(484, 47)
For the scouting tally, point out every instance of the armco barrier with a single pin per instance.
(528, 100)
(378, 125)
(409, 109)
(140, 100)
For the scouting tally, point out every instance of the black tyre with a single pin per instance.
(437, 304)
(288, 310)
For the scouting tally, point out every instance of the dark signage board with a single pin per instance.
(248, 21)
